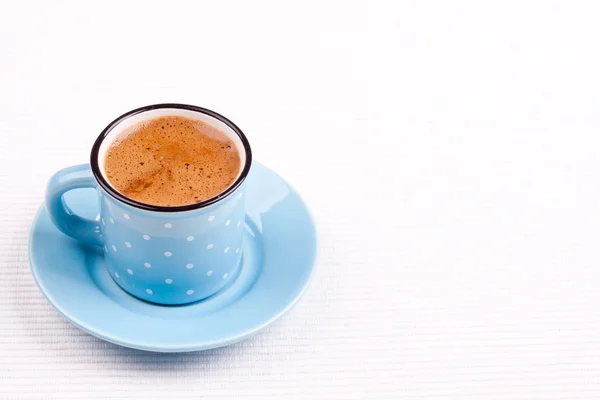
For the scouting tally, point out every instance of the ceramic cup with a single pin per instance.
(165, 255)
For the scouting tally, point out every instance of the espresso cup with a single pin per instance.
(165, 255)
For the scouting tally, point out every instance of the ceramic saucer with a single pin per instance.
(279, 254)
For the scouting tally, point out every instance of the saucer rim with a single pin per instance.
(191, 347)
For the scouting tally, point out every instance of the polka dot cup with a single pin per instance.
(166, 255)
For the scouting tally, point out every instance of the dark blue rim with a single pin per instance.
(149, 207)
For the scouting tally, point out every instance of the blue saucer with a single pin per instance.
(279, 254)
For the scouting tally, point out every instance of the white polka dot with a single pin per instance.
(211, 218)
(105, 248)
(190, 292)
(114, 248)
(128, 244)
(237, 250)
(210, 272)
(168, 225)
(168, 281)
(189, 266)
(149, 291)
(227, 222)
(226, 250)
(189, 238)
(239, 223)
(147, 265)
(103, 223)
(126, 216)
(225, 276)
(168, 254)
(240, 196)
(116, 275)
(130, 272)
(146, 237)
(112, 221)
(210, 246)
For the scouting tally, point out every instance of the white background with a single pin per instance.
(449, 151)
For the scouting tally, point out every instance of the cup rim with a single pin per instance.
(149, 207)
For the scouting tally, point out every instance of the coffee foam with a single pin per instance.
(171, 161)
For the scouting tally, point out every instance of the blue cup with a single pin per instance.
(165, 255)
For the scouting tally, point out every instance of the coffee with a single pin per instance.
(171, 161)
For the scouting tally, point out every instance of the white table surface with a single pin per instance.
(450, 154)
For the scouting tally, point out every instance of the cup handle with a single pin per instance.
(69, 223)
